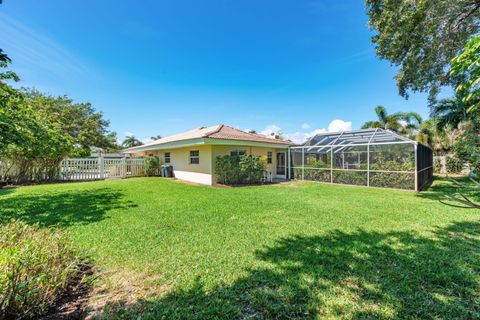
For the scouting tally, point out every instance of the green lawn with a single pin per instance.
(298, 250)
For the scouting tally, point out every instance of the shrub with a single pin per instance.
(152, 166)
(437, 165)
(36, 266)
(350, 177)
(245, 169)
(454, 165)
(252, 168)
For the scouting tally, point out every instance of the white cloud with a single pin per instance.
(147, 140)
(271, 129)
(305, 126)
(300, 137)
(128, 133)
(339, 125)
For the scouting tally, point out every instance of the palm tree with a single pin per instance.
(450, 112)
(131, 141)
(441, 141)
(401, 122)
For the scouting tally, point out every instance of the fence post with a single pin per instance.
(368, 165)
(102, 167)
(124, 169)
(416, 169)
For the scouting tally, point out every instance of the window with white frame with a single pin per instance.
(167, 157)
(269, 157)
(237, 152)
(194, 157)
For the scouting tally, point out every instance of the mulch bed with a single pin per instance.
(73, 303)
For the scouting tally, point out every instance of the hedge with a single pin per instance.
(236, 170)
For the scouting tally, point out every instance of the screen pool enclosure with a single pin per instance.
(369, 157)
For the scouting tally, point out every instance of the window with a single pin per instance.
(237, 152)
(194, 157)
(269, 157)
(167, 157)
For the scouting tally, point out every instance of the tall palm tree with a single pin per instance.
(401, 122)
(131, 141)
(450, 112)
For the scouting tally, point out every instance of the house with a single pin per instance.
(192, 154)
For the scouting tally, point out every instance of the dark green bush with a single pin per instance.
(252, 169)
(454, 165)
(246, 169)
(397, 180)
(36, 266)
(316, 175)
(350, 177)
(152, 166)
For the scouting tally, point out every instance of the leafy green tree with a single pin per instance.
(467, 66)
(10, 114)
(422, 37)
(401, 122)
(80, 121)
(131, 141)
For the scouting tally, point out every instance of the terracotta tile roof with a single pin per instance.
(229, 133)
(220, 131)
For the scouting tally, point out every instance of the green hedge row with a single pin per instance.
(377, 179)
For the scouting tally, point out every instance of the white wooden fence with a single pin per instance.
(79, 169)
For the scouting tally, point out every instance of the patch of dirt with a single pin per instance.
(120, 289)
(73, 303)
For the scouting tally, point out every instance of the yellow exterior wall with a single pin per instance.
(179, 159)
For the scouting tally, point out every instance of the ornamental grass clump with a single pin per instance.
(36, 266)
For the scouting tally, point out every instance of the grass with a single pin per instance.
(298, 250)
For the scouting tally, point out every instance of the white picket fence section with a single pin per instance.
(80, 169)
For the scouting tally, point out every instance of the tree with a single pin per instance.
(467, 66)
(10, 114)
(401, 122)
(80, 121)
(439, 139)
(252, 131)
(449, 113)
(467, 145)
(131, 141)
(157, 137)
(422, 37)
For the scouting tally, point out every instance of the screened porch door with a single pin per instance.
(281, 167)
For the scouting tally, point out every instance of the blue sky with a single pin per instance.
(162, 67)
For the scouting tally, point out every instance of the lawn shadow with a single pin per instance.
(444, 186)
(64, 208)
(361, 274)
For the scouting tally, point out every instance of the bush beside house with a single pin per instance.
(236, 170)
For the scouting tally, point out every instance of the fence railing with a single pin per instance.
(77, 169)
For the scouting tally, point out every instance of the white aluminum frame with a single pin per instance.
(357, 138)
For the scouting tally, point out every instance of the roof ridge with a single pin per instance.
(216, 130)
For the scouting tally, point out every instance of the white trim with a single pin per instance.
(196, 177)
(355, 145)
